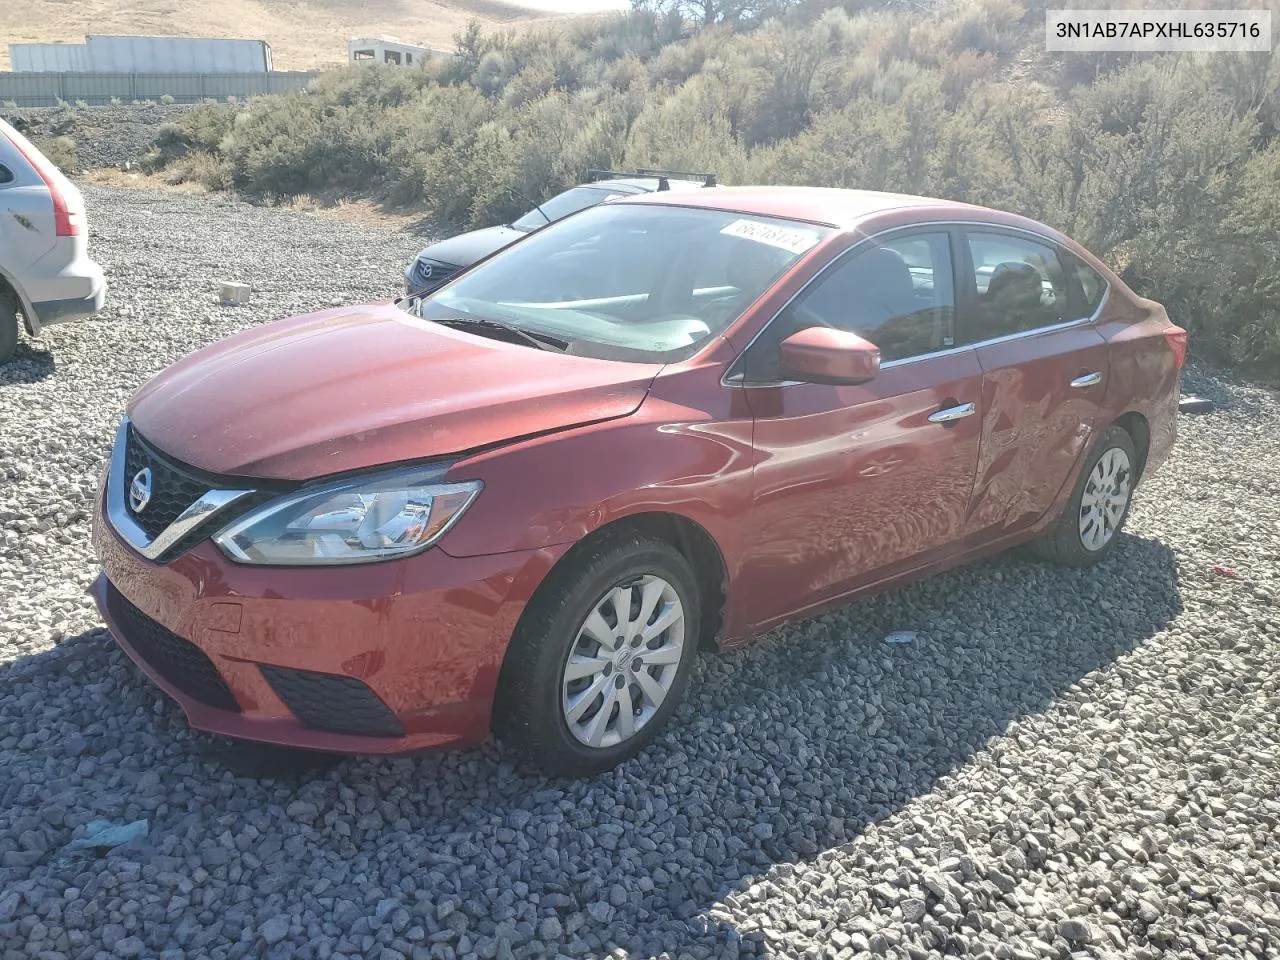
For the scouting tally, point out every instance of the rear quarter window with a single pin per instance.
(1093, 286)
(6, 174)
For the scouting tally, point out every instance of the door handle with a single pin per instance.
(1086, 380)
(951, 414)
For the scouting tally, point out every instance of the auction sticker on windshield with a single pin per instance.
(792, 239)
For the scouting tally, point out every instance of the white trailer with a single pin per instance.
(114, 54)
(49, 58)
(386, 50)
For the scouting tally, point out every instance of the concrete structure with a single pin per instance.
(95, 89)
(109, 54)
(234, 294)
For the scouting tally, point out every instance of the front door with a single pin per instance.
(1044, 368)
(854, 483)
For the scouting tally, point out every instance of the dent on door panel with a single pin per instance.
(1036, 426)
(854, 483)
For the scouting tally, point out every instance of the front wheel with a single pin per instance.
(601, 657)
(1087, 530)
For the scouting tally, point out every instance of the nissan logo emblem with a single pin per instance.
(140, 490)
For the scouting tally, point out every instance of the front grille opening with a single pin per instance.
(172, 488)
(336, 704)
(424, 284)
(175, 486)
(179, 661)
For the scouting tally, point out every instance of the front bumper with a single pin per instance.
(407, 652)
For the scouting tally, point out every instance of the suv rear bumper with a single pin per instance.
(72, 308)
(64, 284)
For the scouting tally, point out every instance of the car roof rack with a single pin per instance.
(664, 177)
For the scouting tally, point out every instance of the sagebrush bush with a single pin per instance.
(203, 130)
(1167, 166)
(61, 152)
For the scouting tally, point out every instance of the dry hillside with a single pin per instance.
(303, 33)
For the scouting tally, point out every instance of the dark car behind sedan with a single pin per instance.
(435, 265)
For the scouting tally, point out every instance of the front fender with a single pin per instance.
(678, 453)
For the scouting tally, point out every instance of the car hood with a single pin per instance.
(358, 387)
(466, 248)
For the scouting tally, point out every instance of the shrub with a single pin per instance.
(298, 145)
(202, 129)
(61, 152)
(205, 169)
(690, 130)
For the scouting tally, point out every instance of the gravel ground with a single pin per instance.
(1065, 763)
(106, 136)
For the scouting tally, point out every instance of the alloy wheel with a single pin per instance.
(623, 662)
(1105, 499)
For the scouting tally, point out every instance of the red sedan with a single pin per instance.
(664, 424)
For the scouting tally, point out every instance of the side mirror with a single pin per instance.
(827, 355)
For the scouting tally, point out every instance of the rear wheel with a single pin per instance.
(8, 325)
(1087, 530)
(601, 657)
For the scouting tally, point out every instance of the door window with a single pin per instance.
(1019, 283)
(898, 294)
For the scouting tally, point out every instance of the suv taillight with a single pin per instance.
(1176, 337)
(66, 222)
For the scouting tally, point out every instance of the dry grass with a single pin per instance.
(303, 34)
(336, 205)
(113, 177)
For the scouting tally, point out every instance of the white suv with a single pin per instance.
(45, 271)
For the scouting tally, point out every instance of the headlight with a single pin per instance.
(353, 521)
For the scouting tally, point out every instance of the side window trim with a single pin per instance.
(735, 375)
(949, 337)
(966, 290)
(962, 266)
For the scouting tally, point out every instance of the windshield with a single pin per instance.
(630, 281)
(563, 204)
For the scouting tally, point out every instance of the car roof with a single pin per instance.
(843, 209)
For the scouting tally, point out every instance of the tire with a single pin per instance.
(1073, 540)
(8, 326)
(536, 698)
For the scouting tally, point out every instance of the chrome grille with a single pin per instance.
(172, 488)
(178, 503)
(420, 282)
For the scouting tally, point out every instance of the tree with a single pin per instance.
(708, 12)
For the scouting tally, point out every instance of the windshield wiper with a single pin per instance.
(535, 206)
(540, 340)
